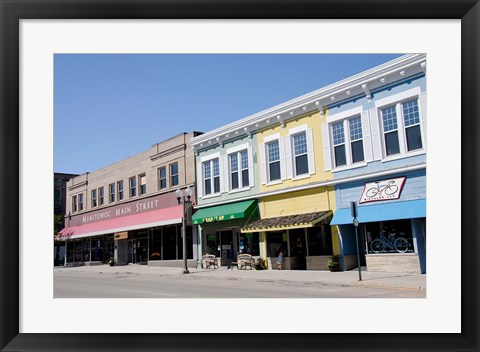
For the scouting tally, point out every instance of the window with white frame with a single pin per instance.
(211, 176)
(111, 191)
(143, 184)
(101, 196)
(133, 186)
(120, 190)
(347, 147)
(273, 160)
(162, 177)
(94, 198)
(80, 202)
(356, 139)
(173, 174)
(300, 153)
(401, 127)
(74, 204)
(239, 174)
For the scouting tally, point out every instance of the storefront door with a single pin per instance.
(131, 251)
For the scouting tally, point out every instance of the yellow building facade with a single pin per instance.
(295, 209)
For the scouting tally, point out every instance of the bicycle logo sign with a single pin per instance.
(382, 190)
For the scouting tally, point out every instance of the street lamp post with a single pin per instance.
(184, 199)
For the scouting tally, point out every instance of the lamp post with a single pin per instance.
(184, 199)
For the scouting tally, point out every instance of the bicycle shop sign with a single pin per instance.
(382, 190)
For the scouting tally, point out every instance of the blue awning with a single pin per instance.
(383, 212)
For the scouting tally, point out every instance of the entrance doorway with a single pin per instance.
(137, 251)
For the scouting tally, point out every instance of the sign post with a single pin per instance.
(354, 209)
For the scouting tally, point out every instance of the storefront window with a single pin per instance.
(389, 237)
(227, 244)
(319, 240)
(155, 244)
(97, 249)
(170, 242)
(276, 239)
(212, 244)
(249, 243)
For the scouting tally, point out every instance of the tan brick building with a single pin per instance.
(129, 210)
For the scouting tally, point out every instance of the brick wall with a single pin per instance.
(393, 263)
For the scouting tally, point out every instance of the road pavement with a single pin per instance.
(142, 281)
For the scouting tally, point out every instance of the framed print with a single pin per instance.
(447, 32)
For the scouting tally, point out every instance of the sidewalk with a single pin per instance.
(344, 278)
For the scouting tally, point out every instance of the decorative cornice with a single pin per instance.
(373, 79)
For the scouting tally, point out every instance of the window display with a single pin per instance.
(389, 237)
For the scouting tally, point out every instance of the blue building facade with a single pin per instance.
(375, 145)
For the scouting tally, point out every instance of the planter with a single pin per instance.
(334, 268)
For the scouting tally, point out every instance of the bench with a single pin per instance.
(209, 261)
(245, 261)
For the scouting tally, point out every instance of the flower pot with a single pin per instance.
(334, 268)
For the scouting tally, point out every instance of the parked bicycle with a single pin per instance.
(387, 188)
(399, 244)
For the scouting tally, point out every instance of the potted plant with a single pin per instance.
(334, 264)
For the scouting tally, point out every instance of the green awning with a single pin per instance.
(225, 212)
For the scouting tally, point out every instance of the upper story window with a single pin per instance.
(101, 196)
(111, 192)
(211, 176)
(288, 157)
(239, 170)
(348, 147)
(300, 153)
(74, 204)
(273, 160)
(162, 177)
(395, 128)
(173, 174)
(133, 186)
(143, 184)
(80, 202)
(401, 124)
(120, 190)
(94, 198)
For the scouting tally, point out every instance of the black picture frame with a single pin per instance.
(11, 11)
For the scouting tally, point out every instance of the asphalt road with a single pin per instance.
(70, 284)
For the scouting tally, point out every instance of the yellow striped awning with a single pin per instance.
(288, 222)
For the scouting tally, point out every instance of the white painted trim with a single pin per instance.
(210, 157)
(237, 148)
(297, 129)
(273, 183)
(271, 138)
(397, 98)
(344, 114)
(238, 190)
(404, 155)
(351, 166)
(372, 77)
(324, 184)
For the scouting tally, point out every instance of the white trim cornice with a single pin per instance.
(399, 68)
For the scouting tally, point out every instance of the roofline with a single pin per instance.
(371, 76)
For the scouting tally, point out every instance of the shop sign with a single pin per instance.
(382, 190)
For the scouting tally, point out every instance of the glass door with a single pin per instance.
(132, 251)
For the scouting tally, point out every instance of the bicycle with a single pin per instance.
(388, 188)
(399, 244)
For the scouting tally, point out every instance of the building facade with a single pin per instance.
(375, 145)
(129, 210)
(360, 140)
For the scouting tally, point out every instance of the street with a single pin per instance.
(144, 282)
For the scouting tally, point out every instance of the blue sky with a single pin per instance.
(110, 107)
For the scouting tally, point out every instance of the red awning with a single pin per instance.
(166, 216)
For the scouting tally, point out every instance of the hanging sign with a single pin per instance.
(382, 190)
